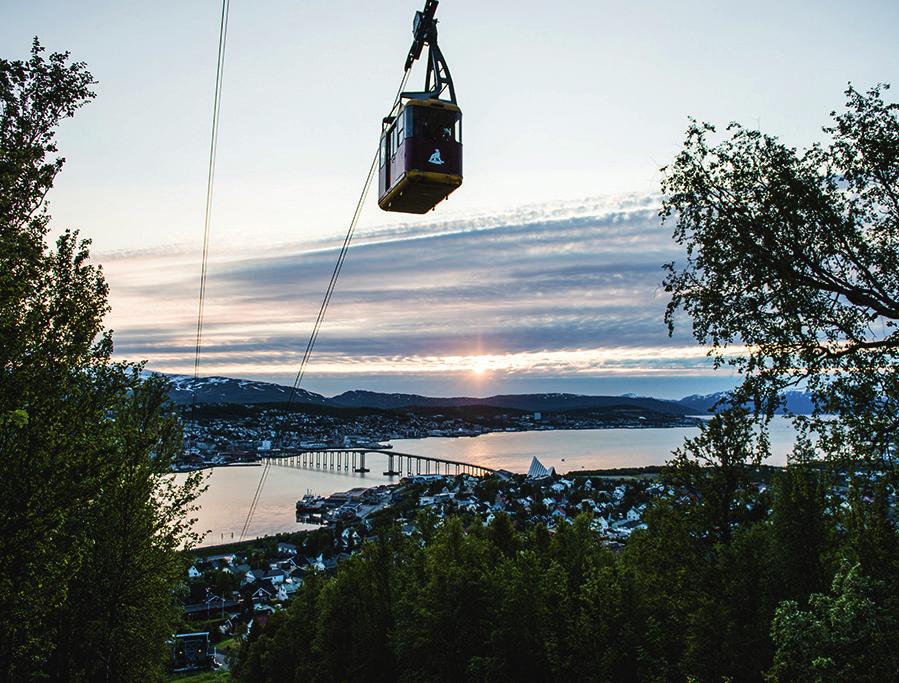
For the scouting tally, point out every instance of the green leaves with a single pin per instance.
(791, 275)
(91, 520)
(14, 418)
(35, 95)
(845, 635)
(716, 468)
(791, 268)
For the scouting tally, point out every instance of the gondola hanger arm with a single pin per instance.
(438, 78)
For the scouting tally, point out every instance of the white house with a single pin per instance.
(635, 514)
(317, 563)
(262, 595)
(600, 524)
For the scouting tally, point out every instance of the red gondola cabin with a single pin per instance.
(421, 156)
(421, 141)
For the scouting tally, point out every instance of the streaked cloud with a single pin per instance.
(557, 290)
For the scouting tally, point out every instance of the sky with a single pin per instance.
(541, 273)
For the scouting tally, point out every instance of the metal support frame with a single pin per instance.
(438, 78)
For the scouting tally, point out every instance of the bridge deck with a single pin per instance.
(391, 454)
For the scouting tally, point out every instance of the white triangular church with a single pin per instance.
(538, 471)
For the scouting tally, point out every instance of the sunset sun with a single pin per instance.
(480, 366)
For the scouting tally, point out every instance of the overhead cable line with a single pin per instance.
(326, 300)
(210, 181)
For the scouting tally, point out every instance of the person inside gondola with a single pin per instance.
(438, 126)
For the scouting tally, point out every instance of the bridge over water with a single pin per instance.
(355, 459)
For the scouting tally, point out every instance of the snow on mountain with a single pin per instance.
(243, 391)
(798, 402)
(229, 390)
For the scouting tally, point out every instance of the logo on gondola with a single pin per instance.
(435, 158)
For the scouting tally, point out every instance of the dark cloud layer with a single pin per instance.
(554, 280)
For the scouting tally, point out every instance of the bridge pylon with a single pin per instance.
(361, 468)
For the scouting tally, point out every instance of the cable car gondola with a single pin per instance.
(420, 158)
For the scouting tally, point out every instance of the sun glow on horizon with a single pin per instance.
(672, 360)
(480, 366)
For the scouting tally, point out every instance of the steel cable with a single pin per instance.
(326, 300)
(210, 181)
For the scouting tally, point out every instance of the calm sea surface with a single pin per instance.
(224, 506)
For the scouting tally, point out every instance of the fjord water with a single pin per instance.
(224, 505)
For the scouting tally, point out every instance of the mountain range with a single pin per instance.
(798, 402)
(228, 390)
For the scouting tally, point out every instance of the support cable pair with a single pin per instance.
(326, 300)
(335, 273)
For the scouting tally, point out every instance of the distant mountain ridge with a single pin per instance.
(798, 402)
(528, 402)
(240, 391)
(230, 390)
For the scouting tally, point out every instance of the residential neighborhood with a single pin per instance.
(217, 435)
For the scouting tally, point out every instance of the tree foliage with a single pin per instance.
(715, 468)
(791, 269)
(90, 519)
(846, 635)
